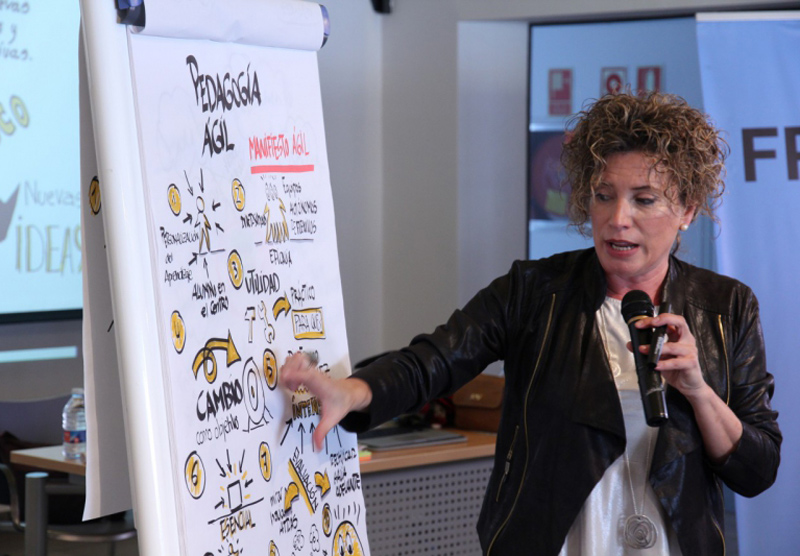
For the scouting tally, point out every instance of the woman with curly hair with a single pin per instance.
(578, 471)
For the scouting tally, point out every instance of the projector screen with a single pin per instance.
(40, 239)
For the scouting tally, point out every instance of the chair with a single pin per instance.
(104, 530)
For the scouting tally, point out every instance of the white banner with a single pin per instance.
(750, 73)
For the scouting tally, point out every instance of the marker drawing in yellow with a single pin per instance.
(174, 199)
(206, 358)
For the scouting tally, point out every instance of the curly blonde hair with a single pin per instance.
(681, 140)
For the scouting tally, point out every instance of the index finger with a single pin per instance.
(669, 319)
(296, 370)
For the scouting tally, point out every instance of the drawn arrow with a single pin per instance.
(323, 482)
(188, 183)
(289, 425)
(303, 492)
(302, 430)
(206, 354)
(338, 437)
(292, 494)
(215, 205)
(205, 266)
(188, 218)
(193, 259)
(281, 305)
(220, 228)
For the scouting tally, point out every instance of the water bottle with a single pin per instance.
(73, 421)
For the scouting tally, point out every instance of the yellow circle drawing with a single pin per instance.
(94, 195)
(174, 198)
(195, 475)
(237, 190)
(273, 550)
(178, 328)
(265, 461)
(270, 369)
(326, 519)
(235, 269)
(346, 541)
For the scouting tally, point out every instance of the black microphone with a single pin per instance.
(637, 305)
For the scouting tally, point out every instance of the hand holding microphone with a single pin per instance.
(637, 305)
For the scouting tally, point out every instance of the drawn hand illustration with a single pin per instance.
(277, 227)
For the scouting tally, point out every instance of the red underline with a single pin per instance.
(282, 169)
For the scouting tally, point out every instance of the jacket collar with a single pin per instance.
(597, 402)
(596, 399)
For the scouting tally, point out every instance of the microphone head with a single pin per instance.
(635, 305)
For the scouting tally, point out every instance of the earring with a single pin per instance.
(684, 227)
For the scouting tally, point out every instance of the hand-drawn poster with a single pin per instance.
(242, 236)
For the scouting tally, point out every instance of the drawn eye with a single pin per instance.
(341, 546)
(349, 541)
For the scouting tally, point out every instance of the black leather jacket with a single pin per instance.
(562, 423)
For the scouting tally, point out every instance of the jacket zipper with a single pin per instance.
(508, 463)
(727, 366)
(525, 423)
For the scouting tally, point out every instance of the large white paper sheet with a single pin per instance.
(107, 484)
(243, 244)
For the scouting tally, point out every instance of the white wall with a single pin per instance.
(492, 140)
(350, 78)
(418, 230)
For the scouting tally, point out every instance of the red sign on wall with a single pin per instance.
(613, 80)
(559, 90)
(648, 79)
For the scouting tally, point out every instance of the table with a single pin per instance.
(478, 445)
(48, 458)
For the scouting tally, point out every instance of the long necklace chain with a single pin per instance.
(639, 530)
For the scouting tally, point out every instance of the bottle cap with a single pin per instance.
(77, 391)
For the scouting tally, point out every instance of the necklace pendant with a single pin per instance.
(640, 532)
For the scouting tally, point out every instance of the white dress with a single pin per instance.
(624, 489)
